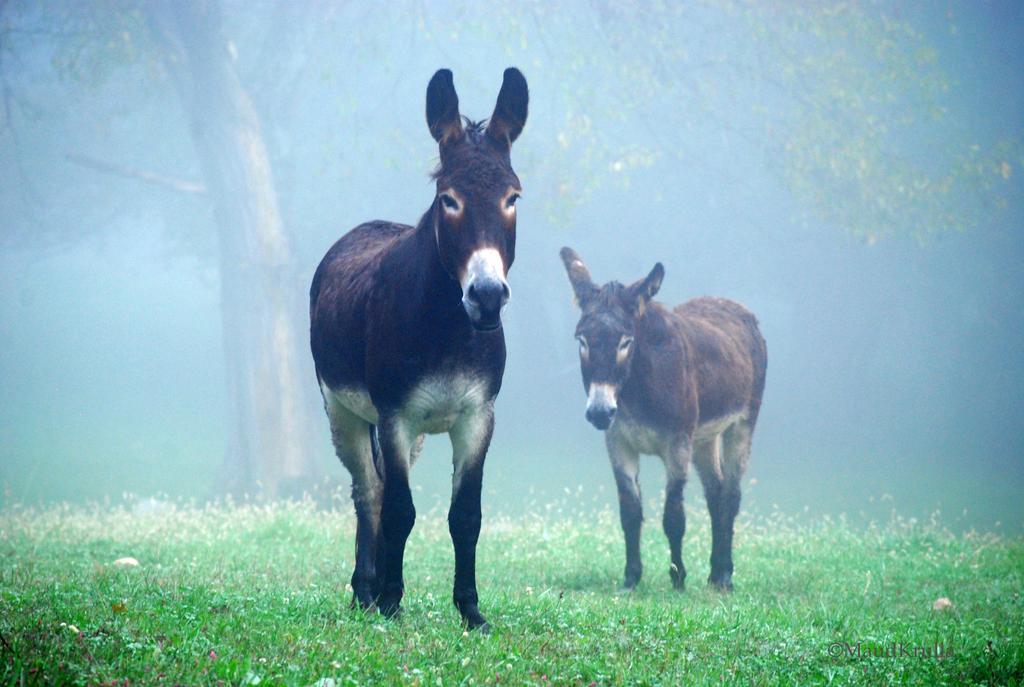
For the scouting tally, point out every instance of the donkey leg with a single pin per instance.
(470, 437)
(723, 498)
(709, 466)
(626, 466)
(351, 437)
(365, 585)
(735, 457)
(398, 514)
(673, 520)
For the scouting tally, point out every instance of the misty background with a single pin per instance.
(172, 173)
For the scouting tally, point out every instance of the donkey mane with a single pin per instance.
(475, 131)
(610, 294)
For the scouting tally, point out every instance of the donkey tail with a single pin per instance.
(378, 458)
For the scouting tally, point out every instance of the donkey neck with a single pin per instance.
(652, 328)
(415, 269)
(438, 282)
(657, 362)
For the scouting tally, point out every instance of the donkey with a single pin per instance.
(672, 383)
(407, 340)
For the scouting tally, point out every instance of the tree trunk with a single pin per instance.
(266, 415)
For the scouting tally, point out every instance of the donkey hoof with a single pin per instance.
(678, 577)
(722, 583)
(390, 610)
(390, 605)
(477, 623)
(473, 620)
(363, 597)
(630, 580)
(626, 588)
(363, 602)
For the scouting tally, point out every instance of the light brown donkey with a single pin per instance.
(677, 384)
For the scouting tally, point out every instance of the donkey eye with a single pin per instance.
(511, 202)
(625, 343)
(583, 344)
(450, 202)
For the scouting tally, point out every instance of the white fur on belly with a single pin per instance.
(710, 430)
(432, 407)
(354, 399)
(650, 441)
(643, 438)
(438, 402)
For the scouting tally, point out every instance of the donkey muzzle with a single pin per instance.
(601, 405)
(485, 291)
(483, 303)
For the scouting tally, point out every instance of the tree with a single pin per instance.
(256, 266)
(267, 415)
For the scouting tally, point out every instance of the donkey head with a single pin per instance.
(606, 332)
(474, 212)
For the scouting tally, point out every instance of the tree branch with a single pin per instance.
(181, 185)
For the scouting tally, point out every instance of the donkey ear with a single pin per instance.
(579, 276)
(510, 111)
(641, 292)
(443, 108)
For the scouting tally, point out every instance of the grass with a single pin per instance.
(256, 594)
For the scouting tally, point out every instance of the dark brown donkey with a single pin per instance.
(672, 383)
(407, 340)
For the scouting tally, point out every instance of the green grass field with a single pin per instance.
(250, 594)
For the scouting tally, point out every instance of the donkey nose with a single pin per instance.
(601, 416)
(488, 295)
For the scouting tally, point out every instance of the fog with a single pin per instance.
(851, 175)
